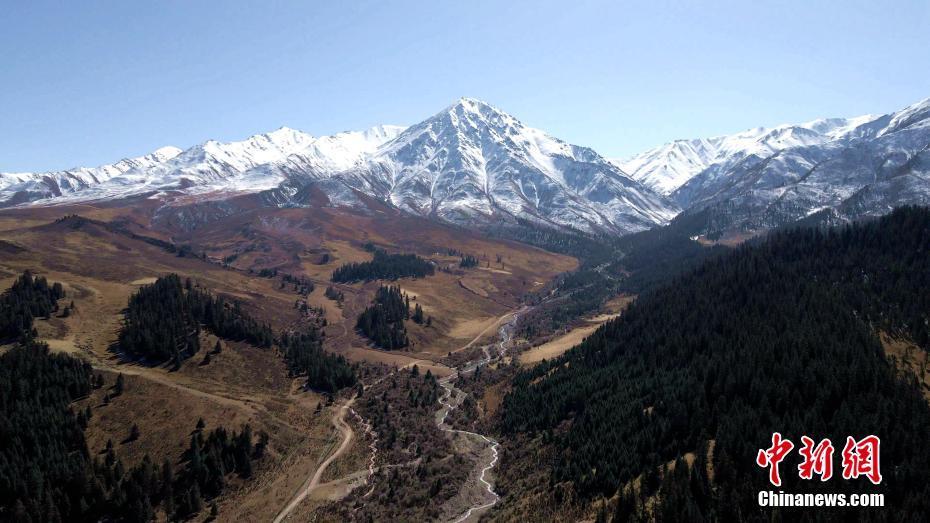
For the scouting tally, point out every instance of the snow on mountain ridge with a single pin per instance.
(918, 114)
(472, 162)
(22, 187)
(854, 167)
(670, 166)
(211, 166)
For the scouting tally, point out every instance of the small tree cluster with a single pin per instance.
(383, 321)
(30, 297)
(384, 266)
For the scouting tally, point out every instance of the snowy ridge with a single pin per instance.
(668, 167)
(855, 167)
(212, 167)
(23, 187)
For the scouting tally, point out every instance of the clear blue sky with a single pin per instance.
(85, 83)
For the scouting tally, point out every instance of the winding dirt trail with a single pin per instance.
(339, 421)
(312, 482)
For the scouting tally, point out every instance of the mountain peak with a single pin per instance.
(286, 135)
(912, 116)
(467, 101)
(470, 105)
(167, 152)
(472, 161)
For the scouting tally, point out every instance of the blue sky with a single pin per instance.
(85, 83)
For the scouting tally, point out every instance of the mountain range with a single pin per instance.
(472, 163)
(762, 178)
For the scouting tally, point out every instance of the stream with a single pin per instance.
(453, 397)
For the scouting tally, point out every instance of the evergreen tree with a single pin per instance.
(305, 356)
(468, 262)
(418, 314)
(334, 294)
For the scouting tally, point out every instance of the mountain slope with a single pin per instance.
(473, 164)
(781, 336)
(23, 187)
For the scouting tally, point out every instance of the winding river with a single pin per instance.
(453, 397)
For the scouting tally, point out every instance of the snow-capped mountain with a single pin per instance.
(249, 165)
(472, 161)
(668, 167)
(763, 178)
(17, 188)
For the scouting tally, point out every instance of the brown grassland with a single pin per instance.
(558, 344)
(101, 263)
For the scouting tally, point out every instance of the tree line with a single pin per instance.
(163, 324)
(468, 261)
(305, 356)
(302, 286)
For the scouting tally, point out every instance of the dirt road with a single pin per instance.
(339, 421)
